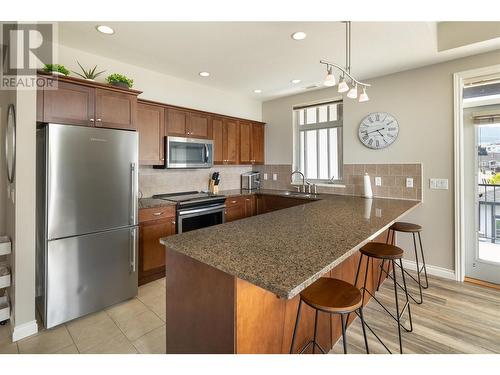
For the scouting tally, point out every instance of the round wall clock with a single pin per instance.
(378, 130)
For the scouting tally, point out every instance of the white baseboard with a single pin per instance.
(431, 270)
(24, 330)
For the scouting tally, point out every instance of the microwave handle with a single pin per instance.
(206, 153)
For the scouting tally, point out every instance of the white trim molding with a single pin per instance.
(445, 273)
(459, 168)
(24, 330)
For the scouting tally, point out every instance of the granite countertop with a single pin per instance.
(285, 251)
(152, 202)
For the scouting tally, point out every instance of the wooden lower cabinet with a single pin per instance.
(268, 203)
(154, 223)
(240, 207)
(235, 316)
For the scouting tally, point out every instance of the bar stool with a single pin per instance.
(414, 229)
(390, 253)
(332, 296)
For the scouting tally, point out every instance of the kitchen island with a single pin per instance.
(233, 288)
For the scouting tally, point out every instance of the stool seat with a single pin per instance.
(401, 226)
(381, 250)
(332, 295)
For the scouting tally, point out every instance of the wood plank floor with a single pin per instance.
(454, 318)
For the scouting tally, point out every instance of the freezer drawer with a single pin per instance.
(88, 273)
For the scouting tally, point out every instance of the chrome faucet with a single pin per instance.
(303, 180)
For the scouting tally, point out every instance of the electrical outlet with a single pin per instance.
(275, 177)
(378, 181)
(265, 176)
(409, 182)
(438, 183)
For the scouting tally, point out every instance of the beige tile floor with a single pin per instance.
(133, 326)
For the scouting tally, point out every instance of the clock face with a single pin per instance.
(378, 130)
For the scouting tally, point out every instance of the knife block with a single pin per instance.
(212, 188)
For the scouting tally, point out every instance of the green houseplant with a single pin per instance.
(120, 80)
(89, 74)
(56, 69)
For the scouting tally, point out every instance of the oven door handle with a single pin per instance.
(205, 210)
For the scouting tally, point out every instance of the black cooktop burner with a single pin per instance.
(188, 196)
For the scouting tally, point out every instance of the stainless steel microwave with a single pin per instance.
(181, 152)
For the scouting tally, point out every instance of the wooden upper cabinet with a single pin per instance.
(68, 104)
(245, 142)
(73, 101)
(218, 138)
(198, 125)
(231, 142)
(177, 122)
(187, 124)
(115, 110)
(251, 143)
(150, 126)
(257, 144)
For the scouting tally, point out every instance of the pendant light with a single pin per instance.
(352, 92)
(330, 78)
(364, 96)
(343, 86)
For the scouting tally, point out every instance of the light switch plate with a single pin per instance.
(438, 183)
(265, 176)
(378, 181)
(409, 182)
(275, 177)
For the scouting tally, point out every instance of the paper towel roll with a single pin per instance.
(367, 186)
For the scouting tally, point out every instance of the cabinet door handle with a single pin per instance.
(98, 120)
(233, 201)
(157, 213)
(173, 222)
(91, 120)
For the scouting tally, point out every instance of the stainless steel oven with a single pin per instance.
(200, 216)
(184, 152)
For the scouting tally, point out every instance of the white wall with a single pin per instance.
(422, 101)
(164, 88)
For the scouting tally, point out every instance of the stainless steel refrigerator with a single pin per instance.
(87, 235)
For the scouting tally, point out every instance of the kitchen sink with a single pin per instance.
(298, 194)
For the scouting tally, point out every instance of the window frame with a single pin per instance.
(298, 129)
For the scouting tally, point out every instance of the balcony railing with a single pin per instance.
(489, 213)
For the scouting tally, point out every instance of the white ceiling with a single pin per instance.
(243, 56)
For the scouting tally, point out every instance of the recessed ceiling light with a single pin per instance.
(257, 91)
(204, 74)
(294, 81)
(299, 35)
(105, 29)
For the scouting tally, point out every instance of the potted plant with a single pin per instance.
(90, 74)
(119, 80)
(56, 69)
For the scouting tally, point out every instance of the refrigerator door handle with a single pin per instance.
(133, 236)
(133, 186)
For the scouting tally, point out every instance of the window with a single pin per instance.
(318, 141)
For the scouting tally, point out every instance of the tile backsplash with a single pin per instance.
(157, 181)
(393, 178)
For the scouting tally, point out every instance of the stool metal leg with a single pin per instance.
(296, 325)
(407, 297)
(364, 329)
(418, 271)
(423, 261)
(397, 308)
(344, 339)
(380, 275)
(315, 331)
